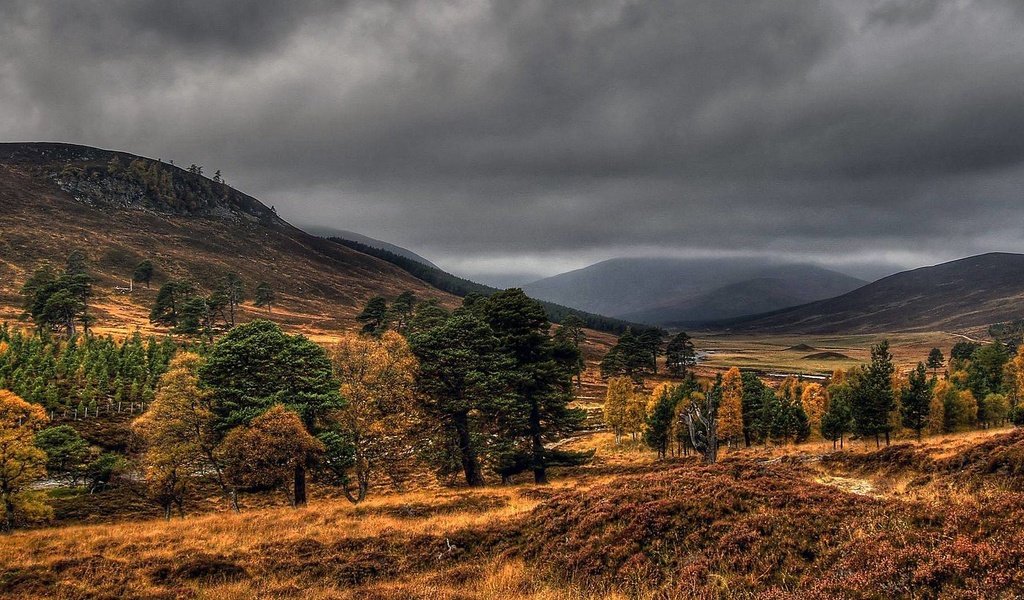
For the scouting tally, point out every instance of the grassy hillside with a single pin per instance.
(798, 522)
(120, 209)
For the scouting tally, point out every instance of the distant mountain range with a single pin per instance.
(666, 291)
(975, 291)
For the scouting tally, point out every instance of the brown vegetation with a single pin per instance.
(750, 526)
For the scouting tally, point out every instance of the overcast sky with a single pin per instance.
(528, 137)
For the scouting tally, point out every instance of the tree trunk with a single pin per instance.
(470, 463)
(540, 474)
(300, 485)
(886, 437)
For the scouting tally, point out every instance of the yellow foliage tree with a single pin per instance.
(616, 401)
(377, 378)
(21, 462)
(967, 409)
(636, 414)
(179, 437)
(1016, 367)
(730, 411)
(937, 411)
(815, 402)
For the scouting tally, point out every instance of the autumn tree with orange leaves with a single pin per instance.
(730, 411)
(21, 462)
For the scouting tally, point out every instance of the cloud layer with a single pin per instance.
(533, 136)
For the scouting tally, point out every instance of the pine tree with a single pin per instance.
(915, 400)
(680, 354)
(873, 397)
(264, 296)
(658, 433)
(374, 316)
(257, 366)
(463, 380)
(935, 360)
(542, 373)
(144, 272)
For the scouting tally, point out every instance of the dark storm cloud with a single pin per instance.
(532, 136)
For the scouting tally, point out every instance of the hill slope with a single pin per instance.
(453, 284)
(341, 234)
(969, 292)
(119, 209)
(667, 290)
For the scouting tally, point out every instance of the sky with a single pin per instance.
(510, 140)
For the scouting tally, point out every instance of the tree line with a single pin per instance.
(982, 387)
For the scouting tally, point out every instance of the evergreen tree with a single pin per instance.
(143, 272)
(915, 400)
(659, 423)
(680, 354)
(402, 309)
(233, 291)
(873, 397)
(264, 296)
(257, 366)
(542, 373)
(837, 420)
(169, 302)
(374, 316)
(935, 360)
(463, 380)
(570, 333)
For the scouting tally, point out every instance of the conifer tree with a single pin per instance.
(915, 400)
(541, 386)
(463, 380)
(680, 354)
(374, 316)
(658, 435)
(264, 296)
(256, 366)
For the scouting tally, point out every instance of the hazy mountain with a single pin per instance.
(969, 292)
(667, 290)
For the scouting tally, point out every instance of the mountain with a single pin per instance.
(669, 290)
(975, 291)
(366, 240)
(119, 209)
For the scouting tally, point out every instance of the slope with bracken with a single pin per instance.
(120, 209)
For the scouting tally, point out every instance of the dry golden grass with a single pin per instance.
(428, 543)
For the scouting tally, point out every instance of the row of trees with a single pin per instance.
(635, 355)
(482, 389)
(179, 306)
(981, 388)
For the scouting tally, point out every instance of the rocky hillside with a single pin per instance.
(120, 209)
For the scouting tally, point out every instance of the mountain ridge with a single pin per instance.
(968, 292)
(667, 290)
